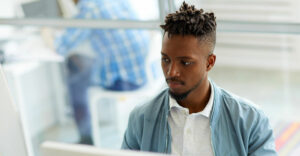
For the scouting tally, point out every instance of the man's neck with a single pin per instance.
(198, 99)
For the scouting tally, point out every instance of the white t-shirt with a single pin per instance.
(191, 133)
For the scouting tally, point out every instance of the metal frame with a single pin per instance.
(164, 8)
(223, 26)
(259, 27)
(81, 23)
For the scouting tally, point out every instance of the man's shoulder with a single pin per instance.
(241, 106)
(142, 122)
(242, 112)
(244, 120)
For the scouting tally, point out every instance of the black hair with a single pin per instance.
(191, 21)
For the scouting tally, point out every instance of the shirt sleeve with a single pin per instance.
(261, 139)
(130, 140)
(74, 36)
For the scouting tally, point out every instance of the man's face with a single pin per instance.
(185, 63)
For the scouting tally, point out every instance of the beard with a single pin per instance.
(182, 96)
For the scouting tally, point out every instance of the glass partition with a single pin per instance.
(41, 73)
(257, 58)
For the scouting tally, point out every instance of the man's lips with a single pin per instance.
(174, 83)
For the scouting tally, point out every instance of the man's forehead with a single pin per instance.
(181, 56)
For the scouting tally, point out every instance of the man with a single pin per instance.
(120, 57)
(194, 116)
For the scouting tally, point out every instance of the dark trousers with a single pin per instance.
(80, 69)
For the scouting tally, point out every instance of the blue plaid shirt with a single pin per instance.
(121, 53)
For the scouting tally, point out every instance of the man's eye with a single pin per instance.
(186, 63)
(166, 60)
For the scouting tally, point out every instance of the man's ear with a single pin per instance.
(210, 62)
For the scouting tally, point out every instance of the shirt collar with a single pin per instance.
(206, 111)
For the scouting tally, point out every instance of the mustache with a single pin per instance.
(174, 79)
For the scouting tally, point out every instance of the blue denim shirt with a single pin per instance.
(121, 53)
(238, 128)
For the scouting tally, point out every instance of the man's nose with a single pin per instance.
(173, 70)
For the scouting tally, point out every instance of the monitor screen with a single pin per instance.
(63, 149)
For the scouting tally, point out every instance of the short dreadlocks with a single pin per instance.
(191, 21)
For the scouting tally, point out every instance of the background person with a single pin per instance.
(120, 57)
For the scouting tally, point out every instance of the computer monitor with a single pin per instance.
(12, 141)
(41, 9)
(63, 149)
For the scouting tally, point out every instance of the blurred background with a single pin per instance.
(257, 52)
